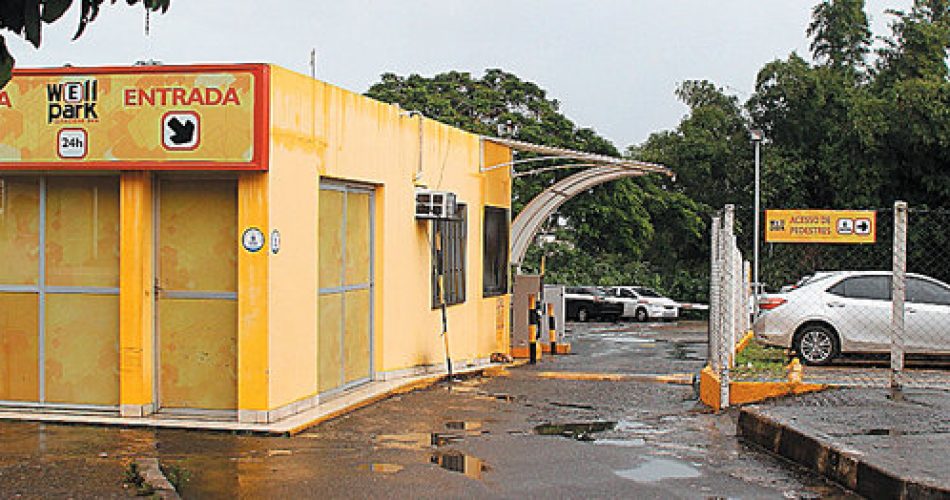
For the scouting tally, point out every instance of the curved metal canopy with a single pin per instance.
(601, 169)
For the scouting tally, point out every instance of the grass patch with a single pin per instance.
(760, 361)
(133, 477)
(176, 475)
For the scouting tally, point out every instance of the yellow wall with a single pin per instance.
(292, 189)
(320, 129)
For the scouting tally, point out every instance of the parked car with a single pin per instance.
(584, 303)
(805, 279)
(850, 312)
(643, 304)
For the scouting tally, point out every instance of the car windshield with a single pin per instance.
(646, 292)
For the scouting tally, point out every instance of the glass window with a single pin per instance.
(495, 252)
(927, 292)
(451, 260)
(864, 287)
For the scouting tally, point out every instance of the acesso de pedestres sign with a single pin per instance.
(136, 118)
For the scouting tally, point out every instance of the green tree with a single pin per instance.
(840, 33)
(27, 17)
(619, 226)
(919, 43)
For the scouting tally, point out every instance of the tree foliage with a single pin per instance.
(627, 224)
(847, 128)
(27, 17)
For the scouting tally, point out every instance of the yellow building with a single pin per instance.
(234, 241)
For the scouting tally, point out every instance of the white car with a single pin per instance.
(850, 312)
(643, 304)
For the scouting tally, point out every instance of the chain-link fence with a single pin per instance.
(861, 314)
(729, 298)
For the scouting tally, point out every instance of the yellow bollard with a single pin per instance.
(552, 329)
(795, 372)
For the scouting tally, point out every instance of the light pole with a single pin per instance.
(757, 137)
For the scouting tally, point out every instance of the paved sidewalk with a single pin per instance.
(879, 444)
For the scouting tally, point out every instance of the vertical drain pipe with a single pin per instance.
(439, 249)
(417, 179)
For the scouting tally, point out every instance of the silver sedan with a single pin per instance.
(850, 312)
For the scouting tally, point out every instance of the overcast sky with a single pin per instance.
(613, 64)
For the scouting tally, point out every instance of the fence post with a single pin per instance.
(746, 295)
(728, 326)
(898, 289)
(712, 356)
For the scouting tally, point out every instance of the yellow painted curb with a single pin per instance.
(744, 342)
(752, 392)
(412, 386)
(403, 389)
(675, 378)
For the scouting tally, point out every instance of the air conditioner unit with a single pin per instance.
(435, 204)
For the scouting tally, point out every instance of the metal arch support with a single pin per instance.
(532, 217)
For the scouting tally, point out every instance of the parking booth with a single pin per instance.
(232, 242)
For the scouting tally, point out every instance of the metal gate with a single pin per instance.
(59, 291)
(196, 292)
(345, 327)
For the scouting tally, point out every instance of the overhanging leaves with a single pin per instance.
(6, 63)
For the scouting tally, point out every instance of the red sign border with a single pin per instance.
(259, 72)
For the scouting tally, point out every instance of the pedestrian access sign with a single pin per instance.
(820, 226)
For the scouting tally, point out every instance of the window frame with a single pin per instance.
(454, 258)
(495, 272)
(916, 300)
(844, 293)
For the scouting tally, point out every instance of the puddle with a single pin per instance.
(640, 428)
(629, 340)
(460, 425)
(622, 443)
(508, 398)
(416, 440)
(459, 462)
(382, 468)
(888, 432)
(658, 469)
(580, 431)
(572, 405)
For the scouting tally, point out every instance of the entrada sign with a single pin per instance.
(135, 118)
(820, 226)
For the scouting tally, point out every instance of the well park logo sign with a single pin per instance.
(73, 102)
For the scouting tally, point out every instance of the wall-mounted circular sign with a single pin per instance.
(275, 241)
(252, 239)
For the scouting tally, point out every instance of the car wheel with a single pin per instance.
(583, 314)
(816, 344)
(641, 315)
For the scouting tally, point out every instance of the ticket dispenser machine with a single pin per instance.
(554, 294)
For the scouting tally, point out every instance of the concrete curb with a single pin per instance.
(846, 467)
(671, 378)
(152, 474)
(348, 401)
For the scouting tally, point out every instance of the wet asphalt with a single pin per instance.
(507, 436)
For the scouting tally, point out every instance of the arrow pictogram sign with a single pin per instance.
(181, 130)
(182, 133)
